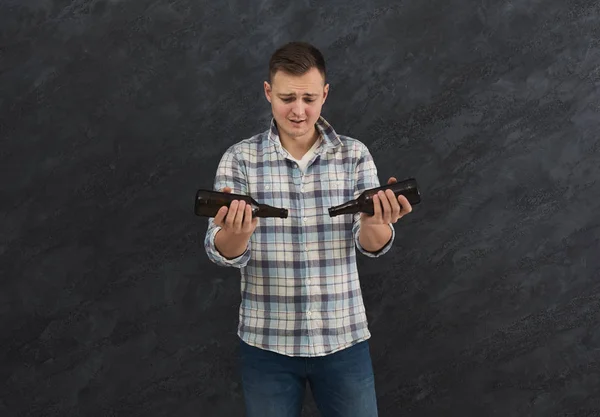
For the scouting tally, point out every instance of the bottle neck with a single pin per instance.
(349, 207)
(265, 210)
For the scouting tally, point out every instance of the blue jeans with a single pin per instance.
(342, 383)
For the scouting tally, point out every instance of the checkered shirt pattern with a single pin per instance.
(300, 289)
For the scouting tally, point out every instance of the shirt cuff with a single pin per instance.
(215, 255)
(381, 251)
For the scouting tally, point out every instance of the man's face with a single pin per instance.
(296, 102)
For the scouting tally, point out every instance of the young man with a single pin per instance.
(302, 318)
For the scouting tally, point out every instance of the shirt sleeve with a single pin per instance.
(230, 173)
(366, 178)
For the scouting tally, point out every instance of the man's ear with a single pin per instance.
(325, 92)
(267, 88)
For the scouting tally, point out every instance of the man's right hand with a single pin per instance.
(237, 220)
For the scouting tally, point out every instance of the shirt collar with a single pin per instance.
(330, 137)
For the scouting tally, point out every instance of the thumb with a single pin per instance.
(226, 190)
(392, 180)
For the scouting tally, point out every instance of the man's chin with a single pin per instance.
(294, 131)
(291, 135)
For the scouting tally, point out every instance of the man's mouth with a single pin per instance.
(296, 122)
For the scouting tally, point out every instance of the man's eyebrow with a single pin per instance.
(294, 94)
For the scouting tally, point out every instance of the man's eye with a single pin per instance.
(287, 100)
(310, 100)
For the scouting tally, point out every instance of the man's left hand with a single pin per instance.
(387, 208)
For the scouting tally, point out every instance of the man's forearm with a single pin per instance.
(230, 246)
(374, 237)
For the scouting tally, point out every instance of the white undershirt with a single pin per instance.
(303, 162)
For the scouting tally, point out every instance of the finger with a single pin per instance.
(254, 223)
(404, 204)
(376, 206)
(247, 223)
(394, 204)
(387, 208)
(381, 205)
(226, 190)
(220, 216)
(239, 215)
(231, 215)
(392, 180)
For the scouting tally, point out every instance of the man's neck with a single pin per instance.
(299, 146)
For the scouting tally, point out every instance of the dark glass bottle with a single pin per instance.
(208, 203)
(364, 202)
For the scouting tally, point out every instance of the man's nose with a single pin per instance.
(298, 107)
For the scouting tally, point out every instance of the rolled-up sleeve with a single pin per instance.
(230, 173)
(366, 178)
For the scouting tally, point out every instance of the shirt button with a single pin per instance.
(308, 313)
(308, 281)
(305, 219)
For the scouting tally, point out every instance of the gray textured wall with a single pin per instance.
(112, 114)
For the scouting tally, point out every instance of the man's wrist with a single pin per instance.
(373, 237)
(230, 245)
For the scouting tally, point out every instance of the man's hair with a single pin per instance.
(296, 58)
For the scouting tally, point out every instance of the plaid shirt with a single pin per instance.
(300, 290)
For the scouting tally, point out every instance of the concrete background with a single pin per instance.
(113, 113)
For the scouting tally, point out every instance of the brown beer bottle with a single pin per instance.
(208, 203)
(364, 202)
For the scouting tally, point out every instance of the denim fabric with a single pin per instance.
(342, 383)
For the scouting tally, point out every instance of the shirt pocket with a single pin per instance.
(337, 188)
(270, 190)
